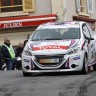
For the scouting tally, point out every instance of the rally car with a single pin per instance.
(60, 47)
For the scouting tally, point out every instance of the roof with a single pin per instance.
(60, 24)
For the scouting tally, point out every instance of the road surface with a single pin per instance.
(12, 83)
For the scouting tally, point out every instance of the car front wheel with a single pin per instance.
(26, 74)
(94, 67)
(85, 66)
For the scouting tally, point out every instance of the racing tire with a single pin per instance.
(94, 67)
(26, 74)
(85, 66)
(4, 68)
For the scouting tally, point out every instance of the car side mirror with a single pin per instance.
(91, 38)
(88, 38)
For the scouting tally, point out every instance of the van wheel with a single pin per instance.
(85, 66)
(26, 74)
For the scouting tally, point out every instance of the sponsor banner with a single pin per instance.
(26, 21)
(50, 47)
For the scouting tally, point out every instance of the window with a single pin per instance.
(57, 34)
(90, 29)
(90, 6)
(16, 5)
(84, 6)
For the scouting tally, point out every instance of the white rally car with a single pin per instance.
(60, 47)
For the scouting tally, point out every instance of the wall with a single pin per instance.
(58, 7)
(42, 7)
(71, 10)
(16, 35)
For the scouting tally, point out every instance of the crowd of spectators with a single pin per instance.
(9, 55)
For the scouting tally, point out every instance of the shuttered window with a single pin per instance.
(90, 6)
(77, 5)
(28, 5)
(16, 5)
(84, 6)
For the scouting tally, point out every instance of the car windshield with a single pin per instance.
(56, 34)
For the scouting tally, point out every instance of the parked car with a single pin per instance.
(60, 47)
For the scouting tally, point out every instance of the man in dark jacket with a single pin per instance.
(18, 52)
(8, 54)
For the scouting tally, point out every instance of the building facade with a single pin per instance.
(19, 18)
(81, 10)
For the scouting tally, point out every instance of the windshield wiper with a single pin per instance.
(47, 39)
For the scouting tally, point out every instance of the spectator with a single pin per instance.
(9, 54)
(1, 59)
(19, 49)
(25, 41)
(18, 52)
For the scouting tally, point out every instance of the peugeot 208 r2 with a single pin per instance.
(60, 47)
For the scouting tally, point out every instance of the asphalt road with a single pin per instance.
(12, 83)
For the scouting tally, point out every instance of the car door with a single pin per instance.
(93, 35)
(90, 42)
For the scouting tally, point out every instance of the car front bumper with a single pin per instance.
(69, 63)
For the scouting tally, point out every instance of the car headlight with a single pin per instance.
(74, 51)
(26, 51)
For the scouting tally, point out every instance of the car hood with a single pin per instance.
(51, 47)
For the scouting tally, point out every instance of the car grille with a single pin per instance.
(49, 60)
